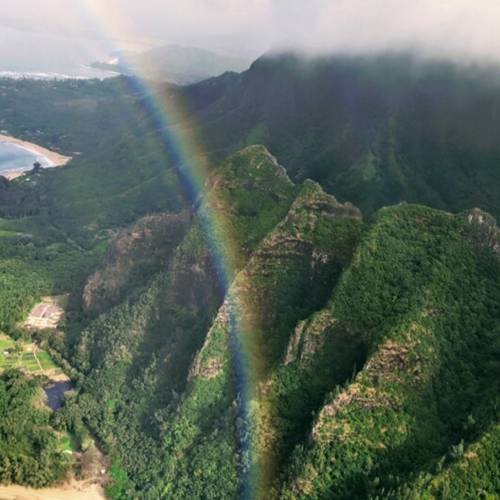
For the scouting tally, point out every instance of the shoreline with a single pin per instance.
(53, 158)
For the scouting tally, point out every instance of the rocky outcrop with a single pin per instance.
(301, 257)
(308, 337)
(487, 233)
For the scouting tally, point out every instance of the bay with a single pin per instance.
(16, 158)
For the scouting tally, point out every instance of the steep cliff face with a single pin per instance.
(417, 299)
(485, 232)
(290, 275)
(137, 354)
(359, 384)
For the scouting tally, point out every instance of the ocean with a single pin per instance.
(14, 158)
(42, 55)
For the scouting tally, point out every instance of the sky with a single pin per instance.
(458, 28)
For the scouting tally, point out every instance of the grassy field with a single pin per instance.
(24, 356)
(67, 443)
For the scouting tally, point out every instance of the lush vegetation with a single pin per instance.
(400, 345)
(372, 130)
(318, 355)
(24, 356)
(36, 260)
(120, 168)
(424, 304)
(285, 280)
(29, 448)
(133, 360)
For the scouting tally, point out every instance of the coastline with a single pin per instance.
(53, 158)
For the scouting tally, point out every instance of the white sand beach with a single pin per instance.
(53, 158)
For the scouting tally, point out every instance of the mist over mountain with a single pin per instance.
(373, 130)
(276, 280)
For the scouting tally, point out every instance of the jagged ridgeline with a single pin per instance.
(371, 129)
(345, 358)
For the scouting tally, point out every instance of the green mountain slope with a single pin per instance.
(285, 280)
(472, 472)
(364, 362)
(135, 358)
(374, 347)
(373, 130)
(424, 302)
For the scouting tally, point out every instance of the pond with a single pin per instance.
(55, 393)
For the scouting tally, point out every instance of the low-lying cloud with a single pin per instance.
(443, 27)
(460, 28)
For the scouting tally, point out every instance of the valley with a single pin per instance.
(315, 316)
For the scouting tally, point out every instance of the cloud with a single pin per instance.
(443, 27)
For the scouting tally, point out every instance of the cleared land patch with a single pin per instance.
(47, 314)
(75, 490)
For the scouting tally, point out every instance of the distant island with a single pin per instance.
(173, 63)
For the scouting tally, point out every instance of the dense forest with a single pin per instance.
(29, 447)
(331, 351)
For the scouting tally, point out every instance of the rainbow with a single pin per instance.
(182, 146)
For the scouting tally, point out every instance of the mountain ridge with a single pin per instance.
(349, 336)
(374, 130)
(344, 354)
